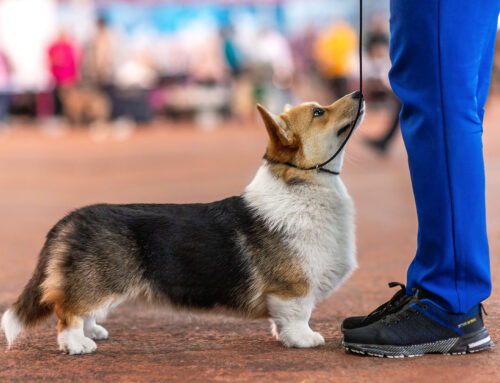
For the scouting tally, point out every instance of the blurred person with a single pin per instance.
(232, 54)
(334, 50)
(306, 82)
(64, 66)
(376, 64)
(241, 103)
(242, 97)
(134, 79)
(376, 68)
(207, 61)
(378, 30)
(273, 68)
(136, 72)
(442, 56)
(208, 71)
(87, 100)
(101, 56)
(4, 89)
(303, 51)
(273, 49)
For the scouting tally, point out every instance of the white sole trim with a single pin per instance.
(480, 342)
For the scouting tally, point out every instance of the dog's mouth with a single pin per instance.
(359, 117)
(356, 121)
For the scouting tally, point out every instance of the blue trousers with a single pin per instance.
(442, 54)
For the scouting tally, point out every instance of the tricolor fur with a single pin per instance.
(286, 243)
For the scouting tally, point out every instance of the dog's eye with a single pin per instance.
(343, 129)
(318, 112)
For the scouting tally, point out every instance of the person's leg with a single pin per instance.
(442, 53)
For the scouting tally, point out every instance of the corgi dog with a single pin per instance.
(273, 252)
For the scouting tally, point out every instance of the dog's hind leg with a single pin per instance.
(94, 331)
(71, 337)
(291, 317)
(90, 328)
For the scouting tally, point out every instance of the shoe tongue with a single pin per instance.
(421, 293)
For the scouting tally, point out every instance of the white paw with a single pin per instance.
(73, 342)
(97, 332)
(301, 337)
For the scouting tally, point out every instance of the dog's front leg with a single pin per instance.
(291, 317)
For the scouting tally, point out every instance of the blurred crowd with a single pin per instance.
(218, 74)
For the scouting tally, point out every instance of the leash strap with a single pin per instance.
(320, 167)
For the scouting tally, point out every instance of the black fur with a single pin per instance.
(189, 254)
(28, 306)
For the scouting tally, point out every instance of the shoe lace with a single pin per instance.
(396, 314)
(397, 301)
(483, 309)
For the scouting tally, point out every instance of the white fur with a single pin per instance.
(92, 330)
(11, 326)
(317, 221)
(104, 309)
(73, 341)
(291, 317)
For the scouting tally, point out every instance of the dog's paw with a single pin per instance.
(74, 343)
(97, 332)
(301, 338)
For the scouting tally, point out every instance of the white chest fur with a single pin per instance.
(317, 222)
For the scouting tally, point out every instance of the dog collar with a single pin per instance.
(317, 167)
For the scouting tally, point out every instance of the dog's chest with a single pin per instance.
(325, 244)
(316, 223)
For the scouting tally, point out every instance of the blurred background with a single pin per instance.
(154, 101)
(102, 63)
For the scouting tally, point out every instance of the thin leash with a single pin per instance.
(320, 167)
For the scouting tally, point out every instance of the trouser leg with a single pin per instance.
(441, 52)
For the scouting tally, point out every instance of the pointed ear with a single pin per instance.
(276, 127)
(286, 108)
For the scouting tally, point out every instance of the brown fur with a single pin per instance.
(75, 292)
(52, 286)
(296, 137)
(282, 277)
(28, 306)
(66, 318)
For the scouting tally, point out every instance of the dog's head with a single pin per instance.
(309, 134)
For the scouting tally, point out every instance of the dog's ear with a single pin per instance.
(276, 128)
(286, 108)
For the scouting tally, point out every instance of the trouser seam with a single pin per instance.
(446, 152)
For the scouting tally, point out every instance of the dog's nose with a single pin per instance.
(357, 95)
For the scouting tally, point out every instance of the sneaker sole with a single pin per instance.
(466, 344)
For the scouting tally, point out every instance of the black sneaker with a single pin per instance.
(394, 304)
(420, 327)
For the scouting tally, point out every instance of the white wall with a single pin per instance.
(26, 29)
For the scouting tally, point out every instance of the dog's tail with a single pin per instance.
(29, 309)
